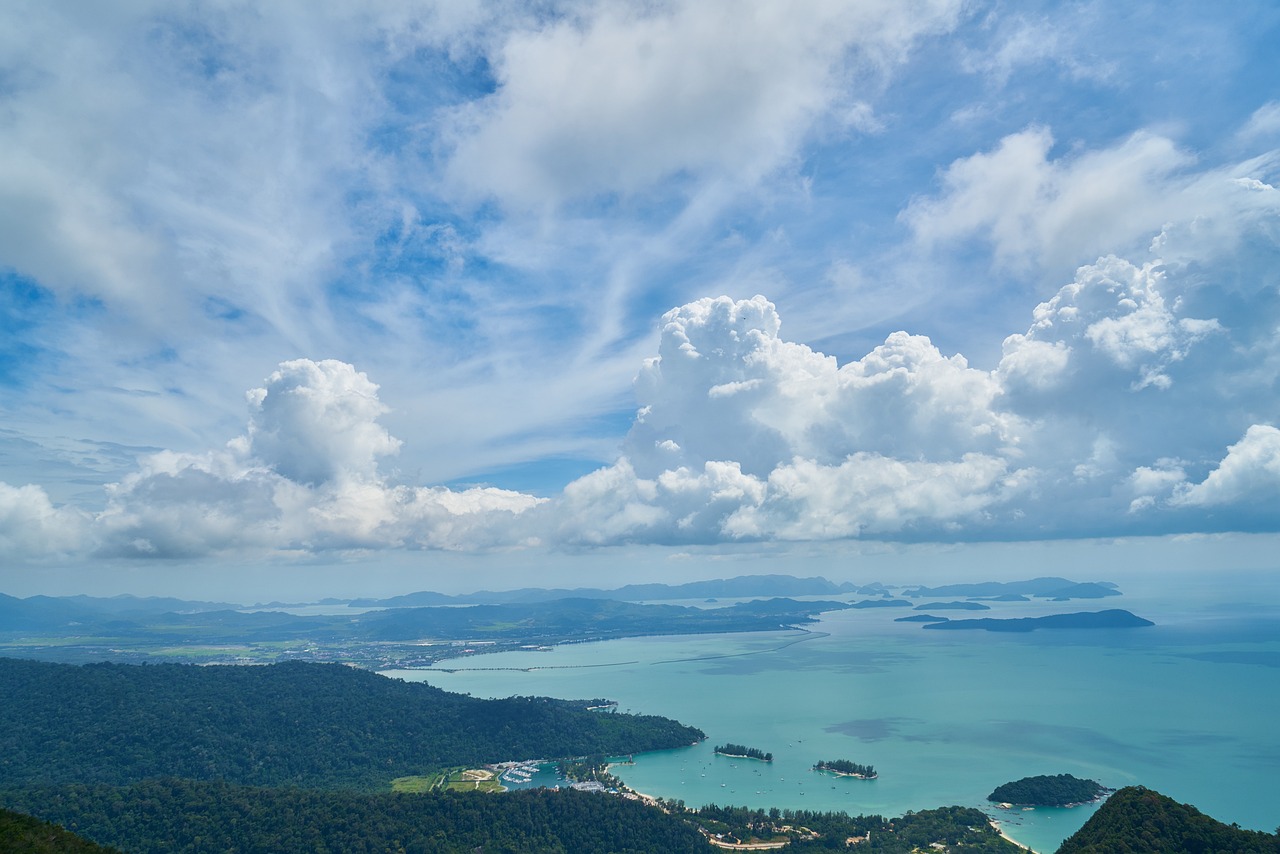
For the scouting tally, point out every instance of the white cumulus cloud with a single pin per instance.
(31, 526)
(1250, 472)
(304, 478)
(317, 421)
(744, 435)
(1115, 309)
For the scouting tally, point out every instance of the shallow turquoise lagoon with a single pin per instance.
(1187, 707)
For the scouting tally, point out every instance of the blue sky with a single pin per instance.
(427, 294)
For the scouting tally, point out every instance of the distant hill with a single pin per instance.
(1136, 820)
(126, 604)
(46, 613)
(1112, 619)
(881, 603)
(1048, 587)
(742, 586)
(359, 637)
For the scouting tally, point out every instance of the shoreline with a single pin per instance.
(874, 776)
(741, 756)
(1005, 836)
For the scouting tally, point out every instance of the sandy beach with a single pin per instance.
(1000, 830)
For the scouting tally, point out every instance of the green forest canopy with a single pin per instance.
(298, 724)
(1055, 790)
(1137, 820)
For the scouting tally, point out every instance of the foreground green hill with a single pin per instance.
(1136, 820)
(185, 817)
(22, 834)
(286, 724)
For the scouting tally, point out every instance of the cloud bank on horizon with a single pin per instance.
(485, 209)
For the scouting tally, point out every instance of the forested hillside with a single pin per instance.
(173, 816)
(184, 817)
(287, 724)
(22, 834)
(1136, 820)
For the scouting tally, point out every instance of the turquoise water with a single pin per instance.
(1188, 707)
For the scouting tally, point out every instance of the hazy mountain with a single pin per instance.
(1048, 587)
(721, 588)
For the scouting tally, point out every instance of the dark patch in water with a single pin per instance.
(871, 729)
(1259, 658)
(807, 659)
(1038, 738)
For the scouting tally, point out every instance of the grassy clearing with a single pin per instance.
(474, 780)
(455, 779)
(418, 784)
(199, 651)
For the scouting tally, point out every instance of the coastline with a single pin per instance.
(740, 756)
(1005, 836)
(847, 774)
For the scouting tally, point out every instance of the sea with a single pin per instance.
(1189, 707)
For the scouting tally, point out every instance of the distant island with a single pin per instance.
(952, 606)
(845, 768)
(1112, 619)
(1056, 790)
(1051, 587)
(741, 751)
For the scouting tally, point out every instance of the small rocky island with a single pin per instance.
(1055, 790)
(741, 751)
(845, 768)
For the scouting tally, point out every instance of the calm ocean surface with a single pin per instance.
(1188, 707)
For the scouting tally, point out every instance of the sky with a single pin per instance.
(347, 298)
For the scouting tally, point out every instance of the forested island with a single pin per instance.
(741, 751)
(846, 768)
(1056, 790)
